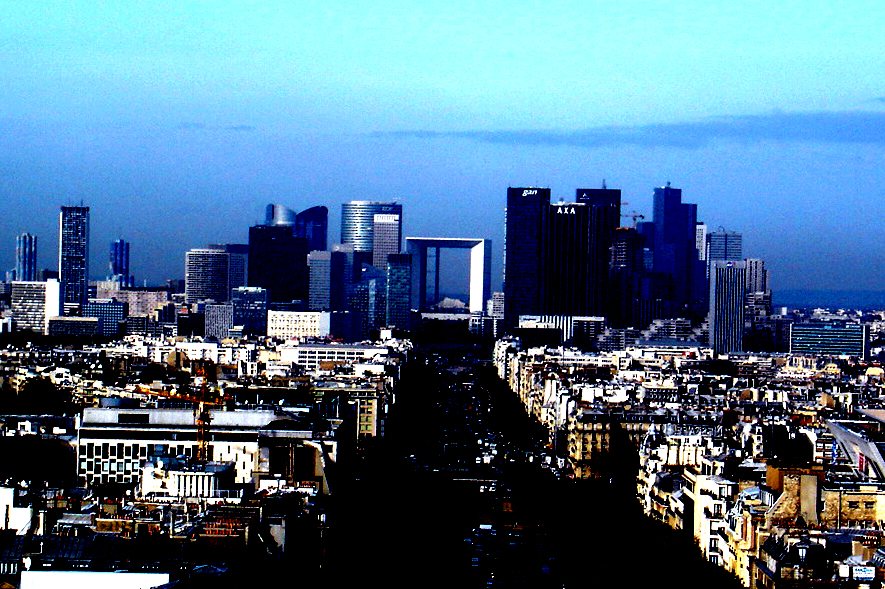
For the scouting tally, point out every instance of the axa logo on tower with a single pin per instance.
(529, 192)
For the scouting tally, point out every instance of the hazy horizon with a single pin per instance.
(177, 123)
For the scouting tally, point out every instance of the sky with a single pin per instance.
(178, 122)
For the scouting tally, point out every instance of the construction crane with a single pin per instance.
(633, 215)
(203, 399)
(202, 402)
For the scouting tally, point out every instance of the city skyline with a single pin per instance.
(442, 109)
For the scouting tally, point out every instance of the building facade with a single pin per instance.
(26, 257)
(313, 225)
(206, 275)
(399, 290)
(118, 263)
(675, 253)
(524, 221)
(219, 319)
(250, 309)
(111, 315)
(278, 263)
(33, 303)
(358, 222)
(830, 338)
(298, 324)
(386, 239)
(73, 254)
(727, 303)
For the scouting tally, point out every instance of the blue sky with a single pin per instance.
(178, 122)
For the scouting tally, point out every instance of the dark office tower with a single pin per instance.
(238, 262)
(565, 264)
(626, 268)
(206, 275)
(313, 225)
(279, 215)
(118, 263)
(604, 206)
(320, 286)
(111, 315)
(250, 309)
(278, 262)
(26, 257)
(727, 298)
(73, 254)
(524, 221)
(675, 254)
(358, 222)
(760, 327)
(341, 276)
(399, 290)
(370, 300)
(646, 230)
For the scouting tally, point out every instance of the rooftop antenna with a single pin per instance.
(603, 184)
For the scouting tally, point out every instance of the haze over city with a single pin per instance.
(178, 122)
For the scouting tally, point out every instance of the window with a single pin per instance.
(853, 504)
(869, 504)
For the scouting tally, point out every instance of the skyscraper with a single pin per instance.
(723, 245)
(278, 263)
(313, 225)
(556, 259)
(524, 221)
(238, 261)
(206, 275)
(565, 268)
(358, 223)
(399, 290)
(727, 298)
(386, 237)
(279, 215)
(342, 275)
(369, 300)
(320, 287)
(675, 255)
(26, 257)
(73, 254)
(605, 217)
(118, 263)
(757, 276)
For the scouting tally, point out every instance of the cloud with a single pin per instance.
(188, 126)
(867, 127)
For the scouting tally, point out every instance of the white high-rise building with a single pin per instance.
(33, 303)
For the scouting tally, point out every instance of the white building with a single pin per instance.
(309, 356)
(298, 324)
(33, 303)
